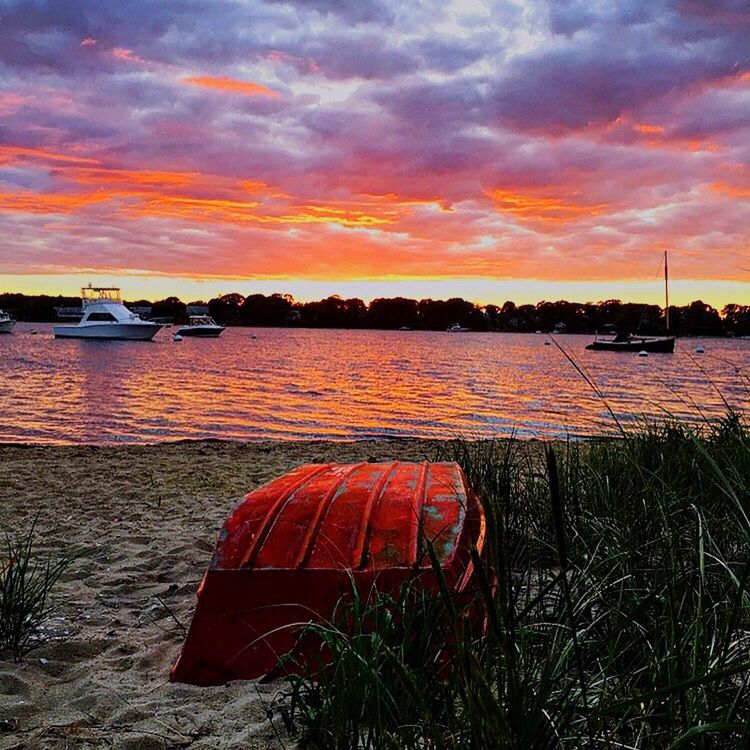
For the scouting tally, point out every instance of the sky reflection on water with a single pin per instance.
(293, 384)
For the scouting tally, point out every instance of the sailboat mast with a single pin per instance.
(666, 287)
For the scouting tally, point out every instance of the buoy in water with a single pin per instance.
(547, 343)
(643, 353)
(177, 337)
(699, 349)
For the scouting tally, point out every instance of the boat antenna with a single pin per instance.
(666, 287)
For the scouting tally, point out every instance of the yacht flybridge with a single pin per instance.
(105, 317)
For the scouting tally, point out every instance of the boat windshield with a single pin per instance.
(202, 320)
(91, 294)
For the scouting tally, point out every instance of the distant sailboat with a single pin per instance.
(628, 342)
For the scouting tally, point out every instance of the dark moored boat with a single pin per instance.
(627, 342)
(293, 547)
(630, 343)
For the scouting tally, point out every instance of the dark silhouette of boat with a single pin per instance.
(628, 342)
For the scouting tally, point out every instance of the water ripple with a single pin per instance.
(289, 384)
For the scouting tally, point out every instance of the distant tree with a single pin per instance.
(563, 315)
(393, 313)
(171, 307)
(492, 317)
(226, 309)
(699, 319)
(438, 315)
(524, 319)
(35, 308)
(334, 312)
(259, 310)
(737, 319)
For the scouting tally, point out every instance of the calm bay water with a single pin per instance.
(289, 384)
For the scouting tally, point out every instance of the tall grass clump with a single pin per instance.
(614, 601)
(25, 585)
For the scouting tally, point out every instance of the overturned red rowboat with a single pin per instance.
(293, 547)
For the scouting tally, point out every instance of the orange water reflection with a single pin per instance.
(291, 384)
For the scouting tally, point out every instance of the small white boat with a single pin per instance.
(105, 317)
(6, 322)
(203, 326)
(456, 328)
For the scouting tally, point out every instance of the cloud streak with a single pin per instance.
(230, 85)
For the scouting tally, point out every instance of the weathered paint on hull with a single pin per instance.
(293, 547)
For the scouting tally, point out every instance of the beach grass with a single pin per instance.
(26, 582)
(610, 609)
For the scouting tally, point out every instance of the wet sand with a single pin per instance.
(144, 519)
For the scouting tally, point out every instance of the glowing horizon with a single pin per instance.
(331, 146)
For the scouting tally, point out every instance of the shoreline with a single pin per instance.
(290, 442)
(144, 520)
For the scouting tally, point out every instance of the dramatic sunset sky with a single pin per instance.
(492, 150)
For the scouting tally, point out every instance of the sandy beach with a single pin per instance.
(144, 520)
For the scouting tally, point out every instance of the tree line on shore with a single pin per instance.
(696, 318)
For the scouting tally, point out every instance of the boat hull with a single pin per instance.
(660, 346)
(201, 332)
(294, 547)
(111, 332)
(6, 326)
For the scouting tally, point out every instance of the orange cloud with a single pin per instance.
(624, 130)
(650, 129)
(733, 190)
(194, 208)
(46, 203)
(243, 212)
(401, 200)
(10, 154)
(330, 215)
(248, 88)
(527, 205)
(137, 178)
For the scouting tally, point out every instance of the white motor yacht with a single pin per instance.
(6, 322)
(105, 317)
(201, 325)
